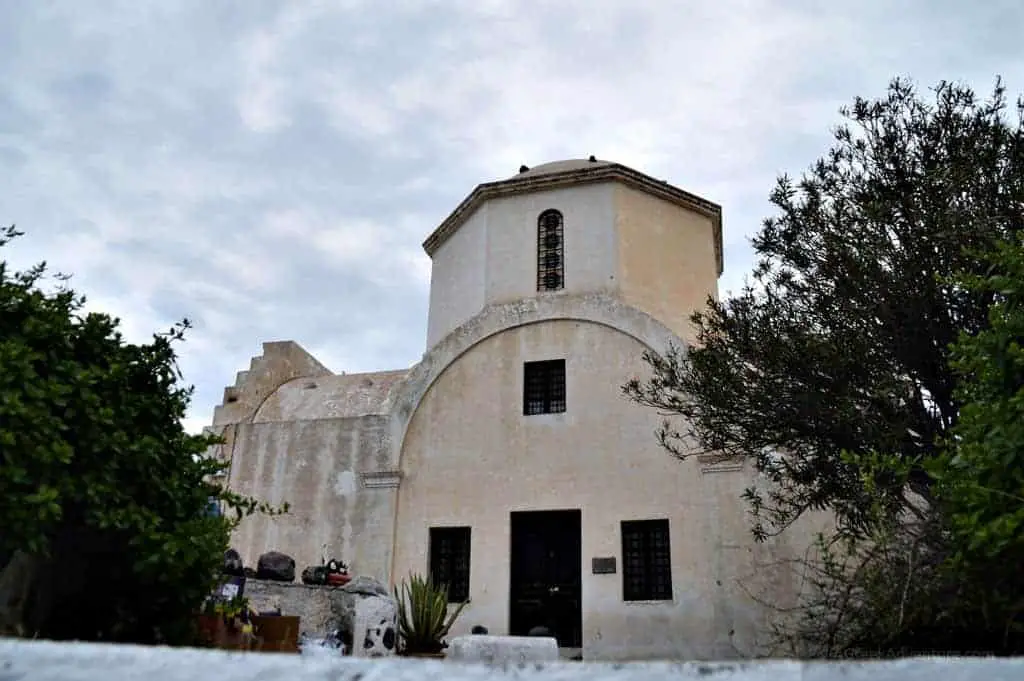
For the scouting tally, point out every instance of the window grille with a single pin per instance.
(646, 560)
(449, 560)
(544, 387)
(550, 247)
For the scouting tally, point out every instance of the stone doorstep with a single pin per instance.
(502, 649)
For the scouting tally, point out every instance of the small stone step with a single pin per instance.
(502, 650)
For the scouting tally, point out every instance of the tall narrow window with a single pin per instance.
(550, 262)
(646, 561)
(449, 561)
(544, 387)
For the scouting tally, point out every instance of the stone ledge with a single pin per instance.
(46, 661)
(719, 463)
(380, 479)
(504, 650)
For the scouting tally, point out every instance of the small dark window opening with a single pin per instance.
(544, 387)
(646, 561)
(449, 561)
(550, 265)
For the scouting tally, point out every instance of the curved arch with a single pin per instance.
(598, 309)
(251, 418)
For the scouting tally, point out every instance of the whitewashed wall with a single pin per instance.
(492, 257)
(46, 661)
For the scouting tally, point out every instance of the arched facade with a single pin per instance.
(471, 460)
(597, 309)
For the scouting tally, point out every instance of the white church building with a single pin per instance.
(507, 463)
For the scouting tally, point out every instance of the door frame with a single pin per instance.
(569, 516)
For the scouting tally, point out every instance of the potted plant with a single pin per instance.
(225, 623)
(209, 623)
(277, 633)
(337, 573)
(423, 617)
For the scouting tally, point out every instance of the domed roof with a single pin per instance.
(568, 173)
(562, 166)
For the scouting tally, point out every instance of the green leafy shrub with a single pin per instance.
(106, 498)
(423, 617)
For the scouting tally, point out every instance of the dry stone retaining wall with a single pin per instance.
(321, 609)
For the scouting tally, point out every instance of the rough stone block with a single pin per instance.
(276, 566)
(366, 586)
(502, 650)
(233, 564)
(375, 628)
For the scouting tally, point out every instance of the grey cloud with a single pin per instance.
(81, 90)
(15, 119)
(12, 157)
(270, 169)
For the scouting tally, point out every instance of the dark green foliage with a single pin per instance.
(423, 616)
(952, 582)
(842, 341)
(903, 592)
(981, 474)
(102, 486)
(873, 370)
(981, 477)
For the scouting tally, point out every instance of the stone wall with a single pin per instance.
(295, 432)
(46, 660)
(312, 604)
(321, 609)
(319, 468)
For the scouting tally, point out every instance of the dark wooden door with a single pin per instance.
(545, 564)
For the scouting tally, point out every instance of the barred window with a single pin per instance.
(544, 387)
(646, 561)
(550, 247)
(449, 561)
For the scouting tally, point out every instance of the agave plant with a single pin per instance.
(423, 617)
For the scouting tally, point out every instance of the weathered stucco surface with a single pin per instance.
(458, 283)
(484, 262)
(319, 442)
(666, 258)
(329, 397)
(601, 309)
(316, 467)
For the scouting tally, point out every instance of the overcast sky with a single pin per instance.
(270, 169)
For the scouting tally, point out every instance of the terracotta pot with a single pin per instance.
(230, 638)
(215, 632)
(276, 633)
(207, 626)
(338, 579)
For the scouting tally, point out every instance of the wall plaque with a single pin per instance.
(603, 566)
